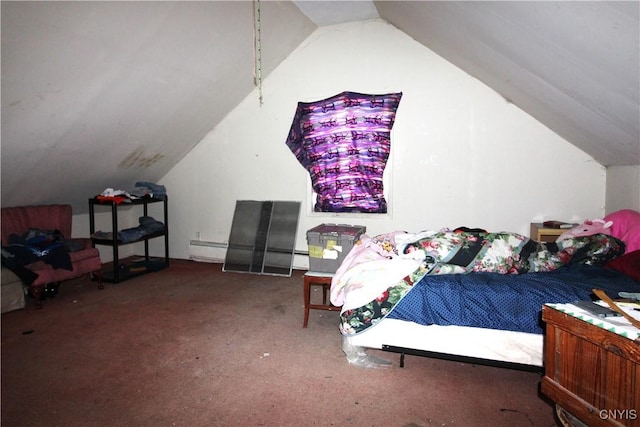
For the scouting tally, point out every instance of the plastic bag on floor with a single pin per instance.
(358, 356)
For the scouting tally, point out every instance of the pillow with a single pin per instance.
(626, 227)
(628, 264)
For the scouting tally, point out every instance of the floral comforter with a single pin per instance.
(380, 270)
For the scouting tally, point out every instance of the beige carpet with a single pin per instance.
(193, 346)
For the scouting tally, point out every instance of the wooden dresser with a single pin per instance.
(591, 372)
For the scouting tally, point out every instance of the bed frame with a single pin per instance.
(506, 349)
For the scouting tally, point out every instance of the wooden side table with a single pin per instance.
(590, 371)
(317, 279)
(541, 233)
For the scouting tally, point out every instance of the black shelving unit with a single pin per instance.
(136, 267)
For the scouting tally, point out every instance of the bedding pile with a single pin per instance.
(380, 271)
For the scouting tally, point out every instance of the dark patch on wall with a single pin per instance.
(138, 159)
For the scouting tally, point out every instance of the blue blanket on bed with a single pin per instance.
(504, 301)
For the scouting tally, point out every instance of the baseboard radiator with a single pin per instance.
(202, 251)
(215, 252)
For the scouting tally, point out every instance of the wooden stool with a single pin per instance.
(317, 279)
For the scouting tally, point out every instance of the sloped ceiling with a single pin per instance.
(99, 94)
(573, 66)
(116, 92)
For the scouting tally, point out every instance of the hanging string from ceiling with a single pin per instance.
(257, 48)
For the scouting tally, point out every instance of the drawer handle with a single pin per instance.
(614, 349)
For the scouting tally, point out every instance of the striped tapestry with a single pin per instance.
(344, 143)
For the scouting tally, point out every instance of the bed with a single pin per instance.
(465, 295)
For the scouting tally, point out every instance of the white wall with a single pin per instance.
(623, 188)
(462, 155)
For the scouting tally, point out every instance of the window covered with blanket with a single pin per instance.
(344, 143)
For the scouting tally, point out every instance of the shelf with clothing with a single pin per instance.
(148, 229)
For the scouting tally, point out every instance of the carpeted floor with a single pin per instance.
(194, 346)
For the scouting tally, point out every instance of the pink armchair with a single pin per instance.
(18, 220)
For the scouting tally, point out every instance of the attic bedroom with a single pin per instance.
(534, 119)
(511, 114)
